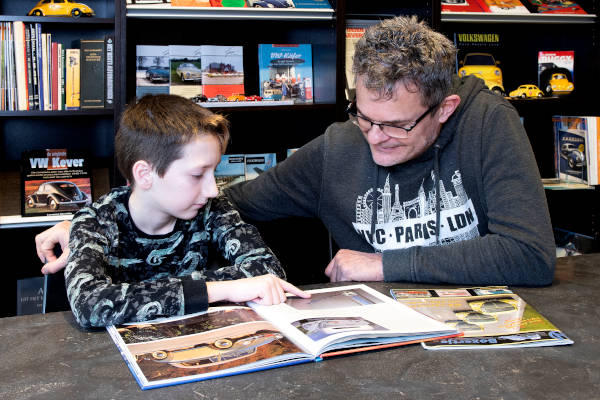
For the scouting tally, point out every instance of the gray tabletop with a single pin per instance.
(48, 357)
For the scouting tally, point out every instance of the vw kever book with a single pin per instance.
(233, 340)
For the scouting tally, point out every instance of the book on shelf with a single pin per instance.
(92, 71)
(185, 64)
(152, 73)
(55, 181)
(222, 71)
(72, 79)
(312, 4)
(28, 66)
(230, 170)
(503, 6)
(21, 65)
(576, 148)
(190, 3)
(353, 34)
(232, 340)
(285, 72)
(271, 3)
(553, 7)
(489, 317)
(55, 76)
(556, 72)
(228, 3)
(461, 6)
(256, 164)
(109, 70)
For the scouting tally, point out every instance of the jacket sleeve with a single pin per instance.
(238, 243)
(290, 189)
(516, 246)
(97, 301)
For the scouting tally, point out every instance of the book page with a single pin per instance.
(337, 315)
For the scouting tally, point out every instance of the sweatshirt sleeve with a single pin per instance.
(290, 189)
(238, 243)
(518, 247)
(97, 301)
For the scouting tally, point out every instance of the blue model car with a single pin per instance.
(157, 74)
(271, 3)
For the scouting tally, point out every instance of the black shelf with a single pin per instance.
(56, 113)
(59, 20)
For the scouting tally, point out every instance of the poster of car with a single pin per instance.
(55, 182)
(570, 149)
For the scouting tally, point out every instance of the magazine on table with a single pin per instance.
(489, 317)
(236, 339)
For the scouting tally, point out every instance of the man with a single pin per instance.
(432, 179)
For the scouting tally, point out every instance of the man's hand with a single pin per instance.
(350, 265)
(265, 289)
(45, 242)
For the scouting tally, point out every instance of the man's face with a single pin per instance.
(403, 109)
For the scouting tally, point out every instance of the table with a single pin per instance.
(46, 356)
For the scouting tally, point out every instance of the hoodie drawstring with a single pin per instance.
(374, 204)
(436, 171)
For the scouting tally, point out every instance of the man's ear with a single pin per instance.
(143, 174)
(448, 106)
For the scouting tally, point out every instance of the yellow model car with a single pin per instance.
(525, 91)
(484, 66)
(559, 84)
(61, 8)
(236, 97)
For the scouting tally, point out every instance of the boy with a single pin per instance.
(140, 252)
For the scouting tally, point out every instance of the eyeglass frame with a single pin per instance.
(352, 111)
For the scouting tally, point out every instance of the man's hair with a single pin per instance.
(156, 128)
(404, 50)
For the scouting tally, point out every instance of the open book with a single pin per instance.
(232, 340)
(490, 317)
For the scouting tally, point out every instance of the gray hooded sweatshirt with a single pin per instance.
(470, 210)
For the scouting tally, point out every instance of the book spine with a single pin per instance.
(61, 71)
(29, 68)
(55, 76)
(34, 67)
(2, 68)
(46, 99)
(72, 84)
(40, 65)
(20, 65)
(109, 52)
(92, 73)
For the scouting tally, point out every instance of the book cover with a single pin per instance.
(553, 7)
(30, 295)
(555, 72)
(312, 4)
(72, 79)
(232, 340)
(230, 170)
(353, 34)
(109, 70)
(152, 73)
(503, 6)
(480, 54)
(271, 3)
(55, 181)
(185, 64)
(570, 146)
(256, 164)
(222, 71)
(461, 6)
(92, 73)
(489, 317)
(577, 148)
(285, 72)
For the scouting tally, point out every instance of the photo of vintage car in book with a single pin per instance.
(157, 74)
(57, 195)
(559, 84)
(319, 328)
(483, 66)
(574, 156)
(61, 8)
(188, 72)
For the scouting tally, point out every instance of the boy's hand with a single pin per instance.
(45, 242)
(265, 289)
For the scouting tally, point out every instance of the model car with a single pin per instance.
(199, 98)
(494, 306)
(157, 74)
(253, 97)
(484, 66)
(236, 97)
(218, 97)
(61, 8)
(525, 91)
(57, 194)
(575, 157)
(270, 3)
(189, 72)
(217, 352)
(559, 83)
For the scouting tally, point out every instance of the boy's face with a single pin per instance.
(189, 182)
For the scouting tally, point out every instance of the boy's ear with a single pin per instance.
(142, 174)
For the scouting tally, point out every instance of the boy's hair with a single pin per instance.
(157, 127)
(402, 49)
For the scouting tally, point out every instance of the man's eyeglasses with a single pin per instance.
(395, 131)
